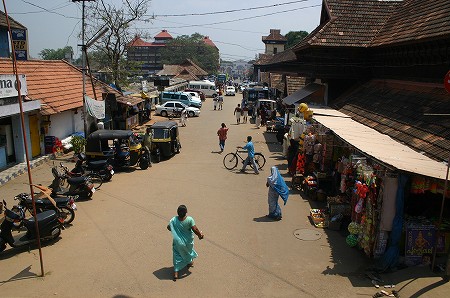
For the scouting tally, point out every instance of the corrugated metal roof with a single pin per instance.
(378, 145)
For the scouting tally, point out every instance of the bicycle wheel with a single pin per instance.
(230, 161)
(260, 160)
(95, 179)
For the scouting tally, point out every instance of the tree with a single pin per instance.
(294, 37)
(58, 54)
(191, 47)
(119, 21)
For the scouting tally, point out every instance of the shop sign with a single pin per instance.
(19, 37)
(9, 86)
(419, 244)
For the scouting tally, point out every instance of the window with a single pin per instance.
(179, 105)
(175, 96)
(184, 97)
(169, 105)
(167, 95)
(275, 50)
(204, 87)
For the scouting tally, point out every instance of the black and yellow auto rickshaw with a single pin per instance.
(121, 147)
(166, 139)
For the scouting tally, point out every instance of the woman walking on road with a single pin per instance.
(183, 228)
(277, 187)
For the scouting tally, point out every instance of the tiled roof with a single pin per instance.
(56, 83)
(284, 56)
(349, 23)
(275, 35)
(138, 42)
(14, 24)
(263, 59)
(294, 83)
(163, 35)
(185, 74)
(415, 20)
(406, 111)
(176, 69)
(209, 42)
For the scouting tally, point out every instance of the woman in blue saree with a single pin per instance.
(183, 228)
(277, 187)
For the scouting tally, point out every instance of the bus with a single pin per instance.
(221, 78)
(251, 97)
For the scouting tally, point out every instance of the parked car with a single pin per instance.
(230, 91)
(182, 97)
(195, 95)
(170, 106)
(202, 95)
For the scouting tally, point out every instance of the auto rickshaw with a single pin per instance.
(166, 139)
(121, 147)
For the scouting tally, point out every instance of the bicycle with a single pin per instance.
(230, 161)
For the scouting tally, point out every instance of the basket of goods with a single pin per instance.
(319, 218)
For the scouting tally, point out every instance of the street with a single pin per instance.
(119, 246)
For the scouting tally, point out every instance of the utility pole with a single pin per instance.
(83, 66)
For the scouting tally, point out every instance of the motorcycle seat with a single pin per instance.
(97, 164)
(76, 180)
(60, 201)
(42, 218)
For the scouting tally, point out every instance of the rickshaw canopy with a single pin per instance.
(94, 140)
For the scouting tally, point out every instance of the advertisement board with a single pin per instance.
(419, 244)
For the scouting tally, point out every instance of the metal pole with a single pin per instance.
(22, 121)
(83, 70)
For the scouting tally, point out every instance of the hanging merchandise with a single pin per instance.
(354, 228)
(352, 240)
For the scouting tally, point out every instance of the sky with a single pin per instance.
(235, 26)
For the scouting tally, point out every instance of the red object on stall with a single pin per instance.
(447, 82)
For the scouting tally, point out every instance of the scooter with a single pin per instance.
(80, 186)
(64, 206)
(99, 167)
(49, 227)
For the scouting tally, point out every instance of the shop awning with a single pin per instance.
(377, 145)
(301, 93)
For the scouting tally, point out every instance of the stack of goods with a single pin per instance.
(319, 218)
(339, 205)
(310, 186)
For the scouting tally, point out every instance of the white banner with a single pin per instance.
(9, 86)
(96, 108)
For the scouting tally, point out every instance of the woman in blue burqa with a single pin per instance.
(277, 187)
(183, 228)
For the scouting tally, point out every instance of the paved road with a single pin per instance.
(118, 245)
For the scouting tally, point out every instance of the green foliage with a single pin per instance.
(58, 54)
(78, 144)
(191, 47)
(294, 37)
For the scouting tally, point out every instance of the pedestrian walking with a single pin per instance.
(263, 112)
(237, 113)
(220, 106)
(183, 228)
(148, 109)
(215, 100)
(251, 155)
(147, 143)
(258, 118)
(244, 114)
(183, 117)
(222, 133)
(277, 187)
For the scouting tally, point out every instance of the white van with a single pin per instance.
(207, 87)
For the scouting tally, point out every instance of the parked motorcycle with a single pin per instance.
(49, 227)
(81, 186)
(64, 206)
(99, 167)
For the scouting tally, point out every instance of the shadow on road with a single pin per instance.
(166, 273)
(263, 219)
(24, 274)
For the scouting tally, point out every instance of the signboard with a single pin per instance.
(447, 82)
(9, 86)
(419, 244)
(19, 37)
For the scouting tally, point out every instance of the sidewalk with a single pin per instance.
(21, 168)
